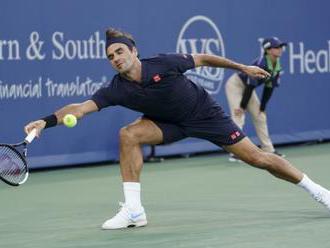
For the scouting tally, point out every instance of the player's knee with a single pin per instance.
(127, 136)
(257, 159)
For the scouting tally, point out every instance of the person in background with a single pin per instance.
(242, 97)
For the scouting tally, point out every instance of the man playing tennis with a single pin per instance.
(174, 108)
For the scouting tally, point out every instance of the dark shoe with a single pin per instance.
(279, 154)
(233, 158)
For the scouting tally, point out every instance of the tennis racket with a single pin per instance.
(13, 166)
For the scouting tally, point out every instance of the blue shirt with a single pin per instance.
(264, 63)
(164, 94)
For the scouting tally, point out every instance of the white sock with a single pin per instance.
(132, 192)
(307, 184)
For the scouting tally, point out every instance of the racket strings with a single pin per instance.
(12, 167)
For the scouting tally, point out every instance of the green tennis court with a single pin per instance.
(203, 201)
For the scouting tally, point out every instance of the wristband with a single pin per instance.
(51, 121)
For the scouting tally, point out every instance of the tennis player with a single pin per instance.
(173, 108)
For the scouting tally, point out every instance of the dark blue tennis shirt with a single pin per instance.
(165, 93)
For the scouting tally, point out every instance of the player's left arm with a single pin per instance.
(217, 61)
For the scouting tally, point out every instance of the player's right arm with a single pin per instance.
(77, 109)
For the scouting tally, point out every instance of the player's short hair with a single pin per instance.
(112, 33)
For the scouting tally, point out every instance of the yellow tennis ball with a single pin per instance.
(70, 120)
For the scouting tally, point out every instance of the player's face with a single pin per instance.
(275, 52)
(121, 57)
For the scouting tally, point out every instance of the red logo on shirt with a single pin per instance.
(235, 134)
(156, 78)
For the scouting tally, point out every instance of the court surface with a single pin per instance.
(203, 201)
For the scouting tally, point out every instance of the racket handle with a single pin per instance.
(30, 137)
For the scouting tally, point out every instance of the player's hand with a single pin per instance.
(39, 125)
(255, 71)
(238, 112)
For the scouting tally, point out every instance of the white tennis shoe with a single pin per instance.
(323, 197)
(126, 218)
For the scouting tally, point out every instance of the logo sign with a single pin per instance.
(201, 35)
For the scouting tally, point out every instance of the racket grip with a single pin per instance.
(30, 137)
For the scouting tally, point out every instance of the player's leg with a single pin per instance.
(251, 154)
(279, 167)
(260, 123)
(142, 131)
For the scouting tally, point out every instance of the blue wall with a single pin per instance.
(41, 69)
